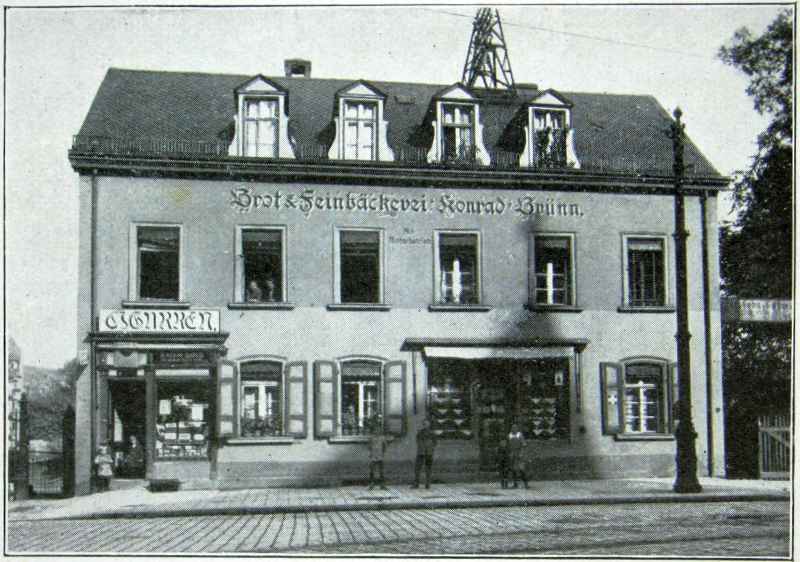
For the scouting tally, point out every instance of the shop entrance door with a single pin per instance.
(127, 427)
(495, 399)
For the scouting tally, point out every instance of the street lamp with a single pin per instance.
(685, 454)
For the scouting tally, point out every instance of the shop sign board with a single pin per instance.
(758, 310)
(136, 320)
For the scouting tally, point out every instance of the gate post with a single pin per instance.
(21, 460)
(68, 453)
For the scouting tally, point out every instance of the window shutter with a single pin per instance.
(326, 389)
(394, 396)
(227, 396)
(296, 394)
(613, 394)
(672, 396)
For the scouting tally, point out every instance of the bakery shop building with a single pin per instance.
(273, 266)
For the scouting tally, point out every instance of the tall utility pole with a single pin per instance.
(685, 435)
(487, 56)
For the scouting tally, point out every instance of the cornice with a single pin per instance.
(395, 174)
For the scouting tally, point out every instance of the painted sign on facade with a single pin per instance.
(765, 310)
(246, 200)
(134, 320)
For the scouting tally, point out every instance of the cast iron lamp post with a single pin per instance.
(685, 454)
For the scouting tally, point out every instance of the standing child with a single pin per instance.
(105, 464)
(377, 449)
(502, 463)
(516, 444)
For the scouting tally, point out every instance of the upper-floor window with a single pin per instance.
(645, 271)
(457, 268)
(458, 132)
(261, 264)
(550, 130)
(156, 268)
(549, 135)
(360, 130)
(553, 270)
(359, 266)
(260, 406)
(261, 127)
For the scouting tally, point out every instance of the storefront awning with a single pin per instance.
(496, 348)
(497, 352)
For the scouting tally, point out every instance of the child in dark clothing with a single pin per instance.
(502, 463)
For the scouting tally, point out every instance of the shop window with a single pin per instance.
(361, 396)
(638, 397)
(260, 278)
(182, 425)
(457, 263)
(360, 130)
(645, 275)
(449, 404)
(261, 127)
(553, 270)
(458, 132)
(359, 276)
(156, 269)
(261, 398)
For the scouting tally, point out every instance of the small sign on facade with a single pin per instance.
(133, 320)
(758, 310)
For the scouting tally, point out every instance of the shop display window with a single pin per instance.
(361, 397)
(449, 404)
(183, 418)
(261, 398)
(262, 272)
(457, 268)
(543, 401)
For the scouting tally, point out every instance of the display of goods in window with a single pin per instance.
(450, 411)
(542, 411)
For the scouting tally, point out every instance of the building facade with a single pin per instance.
(272, 266)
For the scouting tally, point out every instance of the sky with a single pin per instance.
(57, 57)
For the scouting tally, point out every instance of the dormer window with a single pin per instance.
(458, 133)
(457, 129)
(261, 127)
(262, 124)
(548, 132)
(361, 131)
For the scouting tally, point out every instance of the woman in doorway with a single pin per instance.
(133, 461)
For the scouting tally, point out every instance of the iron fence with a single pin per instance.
(46, 472)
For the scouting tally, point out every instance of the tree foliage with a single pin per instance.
(756, 250)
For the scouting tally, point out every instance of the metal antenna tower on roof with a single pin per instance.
(487, 57)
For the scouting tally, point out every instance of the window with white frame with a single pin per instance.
(645, 276)
(550, 135)
(261, 127)
(553, 271)
(261, 398)
(157, 263)
(638, 397)
(359, 275)
(361, 396)
(360, 130)
(458, 132)
(457, 262)
(261, 275)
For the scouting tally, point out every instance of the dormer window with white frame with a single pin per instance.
(361, 131)
(549, 141)
(458, 133)
(262, 128)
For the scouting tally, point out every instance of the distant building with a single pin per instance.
(269, 266)
(15, 387)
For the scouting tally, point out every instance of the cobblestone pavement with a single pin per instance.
(712, 529)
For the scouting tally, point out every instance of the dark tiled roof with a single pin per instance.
(612, 132)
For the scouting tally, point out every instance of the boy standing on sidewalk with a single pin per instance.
(426, 443)
(377, 449)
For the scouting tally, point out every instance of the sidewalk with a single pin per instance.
(140, 502)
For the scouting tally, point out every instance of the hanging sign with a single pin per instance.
(134, 320)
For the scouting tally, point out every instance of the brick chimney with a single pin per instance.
(294, 68)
